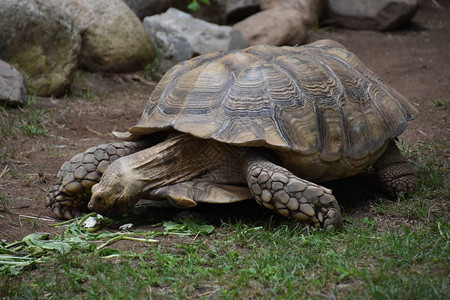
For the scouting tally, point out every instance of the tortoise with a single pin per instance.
(268, 123)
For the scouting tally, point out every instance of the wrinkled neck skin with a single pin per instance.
(131, 178)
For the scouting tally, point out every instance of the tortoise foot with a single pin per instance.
(63, 208)
(69, 197)
(395, 173)
(280, 190)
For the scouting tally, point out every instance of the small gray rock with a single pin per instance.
(12, 88)
(181, 36)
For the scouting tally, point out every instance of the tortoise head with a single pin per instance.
(116, 192)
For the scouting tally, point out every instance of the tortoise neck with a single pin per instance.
(177, 159)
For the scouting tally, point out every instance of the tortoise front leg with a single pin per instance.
(280, 190)
(395, 173)
(69, 197)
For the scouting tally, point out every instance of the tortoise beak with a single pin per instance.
(102, 206)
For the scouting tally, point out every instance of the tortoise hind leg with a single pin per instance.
(395, 173)
(69, 197)
(280, 190)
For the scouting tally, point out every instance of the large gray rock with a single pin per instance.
(145, 8)
(41, 42)
(370, 14)
(310, 10)
(12, 88)
(181, 36)
(275, 26)
(114, 39)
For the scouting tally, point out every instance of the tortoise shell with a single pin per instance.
(318, 98)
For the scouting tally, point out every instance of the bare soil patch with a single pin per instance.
(415, 61)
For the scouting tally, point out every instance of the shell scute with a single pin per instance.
(318, 98)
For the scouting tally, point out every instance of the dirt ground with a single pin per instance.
(414, 60)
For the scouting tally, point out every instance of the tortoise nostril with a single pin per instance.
(96, 200)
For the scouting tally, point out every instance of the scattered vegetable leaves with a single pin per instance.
(82, 236)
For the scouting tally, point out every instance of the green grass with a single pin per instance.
(29, 120)
(441, 102)
(401, 251)
(3, 202)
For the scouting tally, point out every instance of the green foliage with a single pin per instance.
(441, 102)
(7, 124)
(195, 5)
(33, 248)
(188, 226)
(31, 120)
(3, 199)
(32, 123)
(153, 67)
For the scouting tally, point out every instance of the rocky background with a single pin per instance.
(43, 42)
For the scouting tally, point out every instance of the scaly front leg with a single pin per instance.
(280, 190)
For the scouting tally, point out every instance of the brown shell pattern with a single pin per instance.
(314, 98)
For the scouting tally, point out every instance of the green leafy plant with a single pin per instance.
(153, 67)
(35, 248)
(32, 122)
(7, 124)
(195, 5)
(441, 102)
(187, 226)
